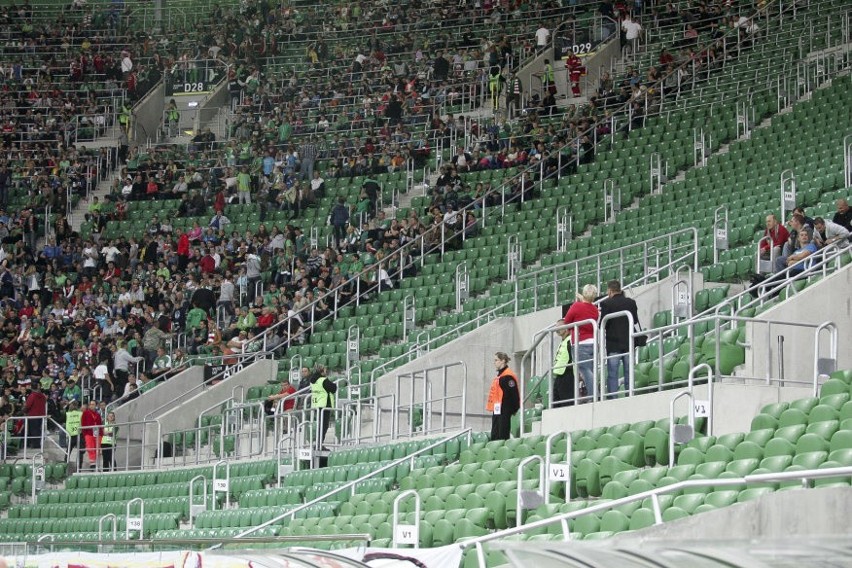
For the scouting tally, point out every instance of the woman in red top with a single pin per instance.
(583, 337)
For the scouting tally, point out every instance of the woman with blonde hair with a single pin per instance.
(583, 337)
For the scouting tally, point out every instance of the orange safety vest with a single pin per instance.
(495, 394)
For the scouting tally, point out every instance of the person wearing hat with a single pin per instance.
(504, 398)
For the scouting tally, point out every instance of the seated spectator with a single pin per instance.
(778, 235)
(797, 224)
(828, 232)
(796, 260)
(162, 364)
(843, 217)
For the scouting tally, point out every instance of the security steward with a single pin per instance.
(73, 417)
(323, 393)
(504, 398)
(563, 370)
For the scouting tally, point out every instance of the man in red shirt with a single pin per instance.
(90, 424)
(36, 408)
(777, 233)
(286, 390)
(207, 263)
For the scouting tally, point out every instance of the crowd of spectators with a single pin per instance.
(82, 313)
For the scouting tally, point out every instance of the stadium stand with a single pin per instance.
(217, 251)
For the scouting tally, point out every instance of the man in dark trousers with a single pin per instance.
(617, 335)
(504, 398)
(563, 370)
(323, 393)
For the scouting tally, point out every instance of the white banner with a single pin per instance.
(442, 557)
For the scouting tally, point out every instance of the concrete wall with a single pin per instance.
(777, 515)
(599, 60)
(169, 390)
(186, 414)
(476, 350)
(829, 300)
(514, 335)
(147, 117)
(734, 407)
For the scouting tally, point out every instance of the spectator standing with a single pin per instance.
(548, 78)
(617, 332)
(504, 398)
(339, 218)
(632, 28)
(104, 380)
(583, 336)
(244, 186)
(121, 361)
(514, 94)
(542, 36)
(308, 154)
(153, 340)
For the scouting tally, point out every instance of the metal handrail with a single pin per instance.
(806, 476)
(351, 485)
(463, 211)
(830, 254)
(122, 400)
(245, 357)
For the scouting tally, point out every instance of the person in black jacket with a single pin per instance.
(617, 335)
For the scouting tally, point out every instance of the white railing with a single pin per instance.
(350, 487)
(806, 477)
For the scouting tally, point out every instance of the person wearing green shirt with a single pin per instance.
(563, 371)
(356, 266)
(72, 392)
(45, 381)
(244, 186)
(164, 271)
(194, 318)
(145, 383)
(246, 321)
(95, 206)
(285, 130)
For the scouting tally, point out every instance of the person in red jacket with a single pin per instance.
(90, 428)
(182, 250)
(583, 336)
(36, 408)
(576, 70)
(207, 264)
(777, 233)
